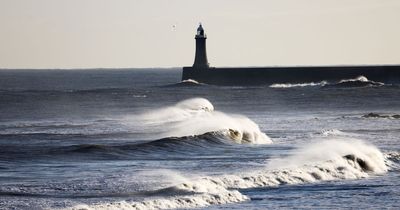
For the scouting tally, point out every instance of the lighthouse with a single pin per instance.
(200, 61)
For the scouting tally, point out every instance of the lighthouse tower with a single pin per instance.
(200, 61)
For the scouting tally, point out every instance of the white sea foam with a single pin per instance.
(289, 85)
(196, 116)
(332, 132)
(321, 161)
(139, 96)
(190, 81)
(362, 80)
(331, 152)
(359, 79)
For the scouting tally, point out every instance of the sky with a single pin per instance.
(160, 33)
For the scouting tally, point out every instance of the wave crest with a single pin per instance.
(187, 83)
(289, 85)
(360, 81)
(322, 161)
(196, 116)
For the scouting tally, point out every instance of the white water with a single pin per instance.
(288, 85)
(190, 81)
(359, 78)
(333, 132)
(321, 161)
(362, 79)
(196, 116)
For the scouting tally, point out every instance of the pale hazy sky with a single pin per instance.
(140, 33)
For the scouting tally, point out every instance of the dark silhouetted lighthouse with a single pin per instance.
(200, 61)
(203, 73)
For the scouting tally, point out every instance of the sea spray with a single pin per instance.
(331, 151)
(196, 116)
(327, 160)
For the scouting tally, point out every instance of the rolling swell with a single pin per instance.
(170, 144)
(118, 150)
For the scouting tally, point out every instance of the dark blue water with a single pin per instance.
(139, 139)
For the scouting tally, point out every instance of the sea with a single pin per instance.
(144, 139)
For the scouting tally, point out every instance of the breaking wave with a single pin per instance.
(288, 85)
(360, 81)
(197, 116)
(187, 83)
(188, 118)
(321, 161)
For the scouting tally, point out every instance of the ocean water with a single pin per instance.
(140, 139)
